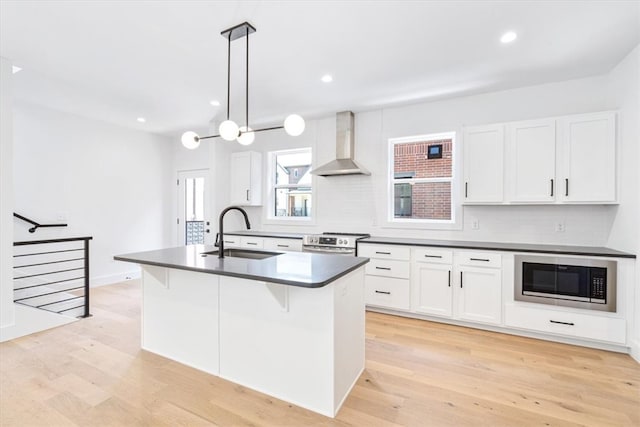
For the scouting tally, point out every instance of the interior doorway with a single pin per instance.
(193, 222)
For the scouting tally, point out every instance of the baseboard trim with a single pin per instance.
(634, 350)
(110, 279)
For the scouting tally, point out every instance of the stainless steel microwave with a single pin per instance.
(565, 281)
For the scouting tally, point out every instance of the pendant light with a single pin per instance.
(228, 129)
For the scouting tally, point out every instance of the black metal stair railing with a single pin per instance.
(53, 275)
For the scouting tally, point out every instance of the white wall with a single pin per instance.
(6, 195)
(358, 203)
(104, 181)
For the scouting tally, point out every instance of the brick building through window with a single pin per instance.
(422, 177)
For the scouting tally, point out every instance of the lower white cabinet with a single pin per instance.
(432, 289)
(387, 276)
(479, 294)
(251, 242)
(459, 289)
(566, 323)
(278, 244)
(387, 292)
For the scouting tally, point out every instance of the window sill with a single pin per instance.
(296, 222)
(423, 225)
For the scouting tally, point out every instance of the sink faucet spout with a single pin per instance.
(221, 226)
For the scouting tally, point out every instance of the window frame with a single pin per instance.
(272, 187)
(456, 207)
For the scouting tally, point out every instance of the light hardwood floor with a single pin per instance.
(93, 373)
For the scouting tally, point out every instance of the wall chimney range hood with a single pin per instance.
(344, 163)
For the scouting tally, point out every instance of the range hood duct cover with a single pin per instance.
(344, 163)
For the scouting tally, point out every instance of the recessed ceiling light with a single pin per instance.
(327, 78)
(142, 119)
(214, 102)
(15, 69)
(508, 37)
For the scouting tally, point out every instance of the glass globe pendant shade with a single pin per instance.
(190, 140)
(294, 125)
(228, 130)
(247, 136)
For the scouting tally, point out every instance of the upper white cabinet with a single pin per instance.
(246, 179)
(569, 159)
(484, 164)
(532, 161)
(589, 158)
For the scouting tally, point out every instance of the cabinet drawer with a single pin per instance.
(230, 241)
(479, 259)
(384, 252)
(437, 256)
(387, 292)
(388, 268)
(569, 324)
(251, 242)
(274, 244)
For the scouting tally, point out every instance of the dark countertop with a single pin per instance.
(508, 247)
(274, 234)
(290, 268)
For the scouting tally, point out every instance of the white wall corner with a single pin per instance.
(7, 310)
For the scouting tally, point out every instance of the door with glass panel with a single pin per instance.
(193, 220)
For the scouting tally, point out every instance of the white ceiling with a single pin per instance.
(165, 60)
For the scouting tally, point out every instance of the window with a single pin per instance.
(291, 193)
(422, 179)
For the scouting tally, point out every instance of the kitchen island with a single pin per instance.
(290, 325)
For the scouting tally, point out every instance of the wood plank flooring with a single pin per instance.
(93, 373)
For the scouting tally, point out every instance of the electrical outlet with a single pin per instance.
(560, 227)
(475, 224)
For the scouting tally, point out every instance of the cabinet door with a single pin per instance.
(277, 244)
(532, 166)
(246, 179)
(479, 294)
(432, 289)
(483, 164)
(589, 151)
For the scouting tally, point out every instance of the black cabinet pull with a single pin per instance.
(383, 253)
(562, 323)
(433, 256)
(461, 280)
(247, 195)
(449, 278)
(383, 292)
(480, 259)
(383, 268)
(252, 243)
(552, 187)
(283, 246)
(566, 186)
(466, 188)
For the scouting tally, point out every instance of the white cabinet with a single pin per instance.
(251, 242)
(569, 159)
(566, 323)
(246, 179)
(589, 158)
(483, 164)
(279, 244)
(387, 276)
(531, 167)
(479, 294)
(432, 292)
(231, 241)
(470, 288)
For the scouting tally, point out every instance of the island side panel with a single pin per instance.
(349, 320)
(180, 316)
(278, 339)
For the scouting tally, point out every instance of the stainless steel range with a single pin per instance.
(332, 243)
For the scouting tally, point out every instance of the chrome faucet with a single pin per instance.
(221, 226)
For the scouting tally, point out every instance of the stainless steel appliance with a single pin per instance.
(332, 243)
(571, 282)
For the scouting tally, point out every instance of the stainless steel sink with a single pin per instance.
(244, 253)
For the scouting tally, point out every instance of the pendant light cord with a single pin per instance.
(246, 111)
(228, 74)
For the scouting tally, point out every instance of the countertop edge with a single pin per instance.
(247, 276)
(465, 245)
